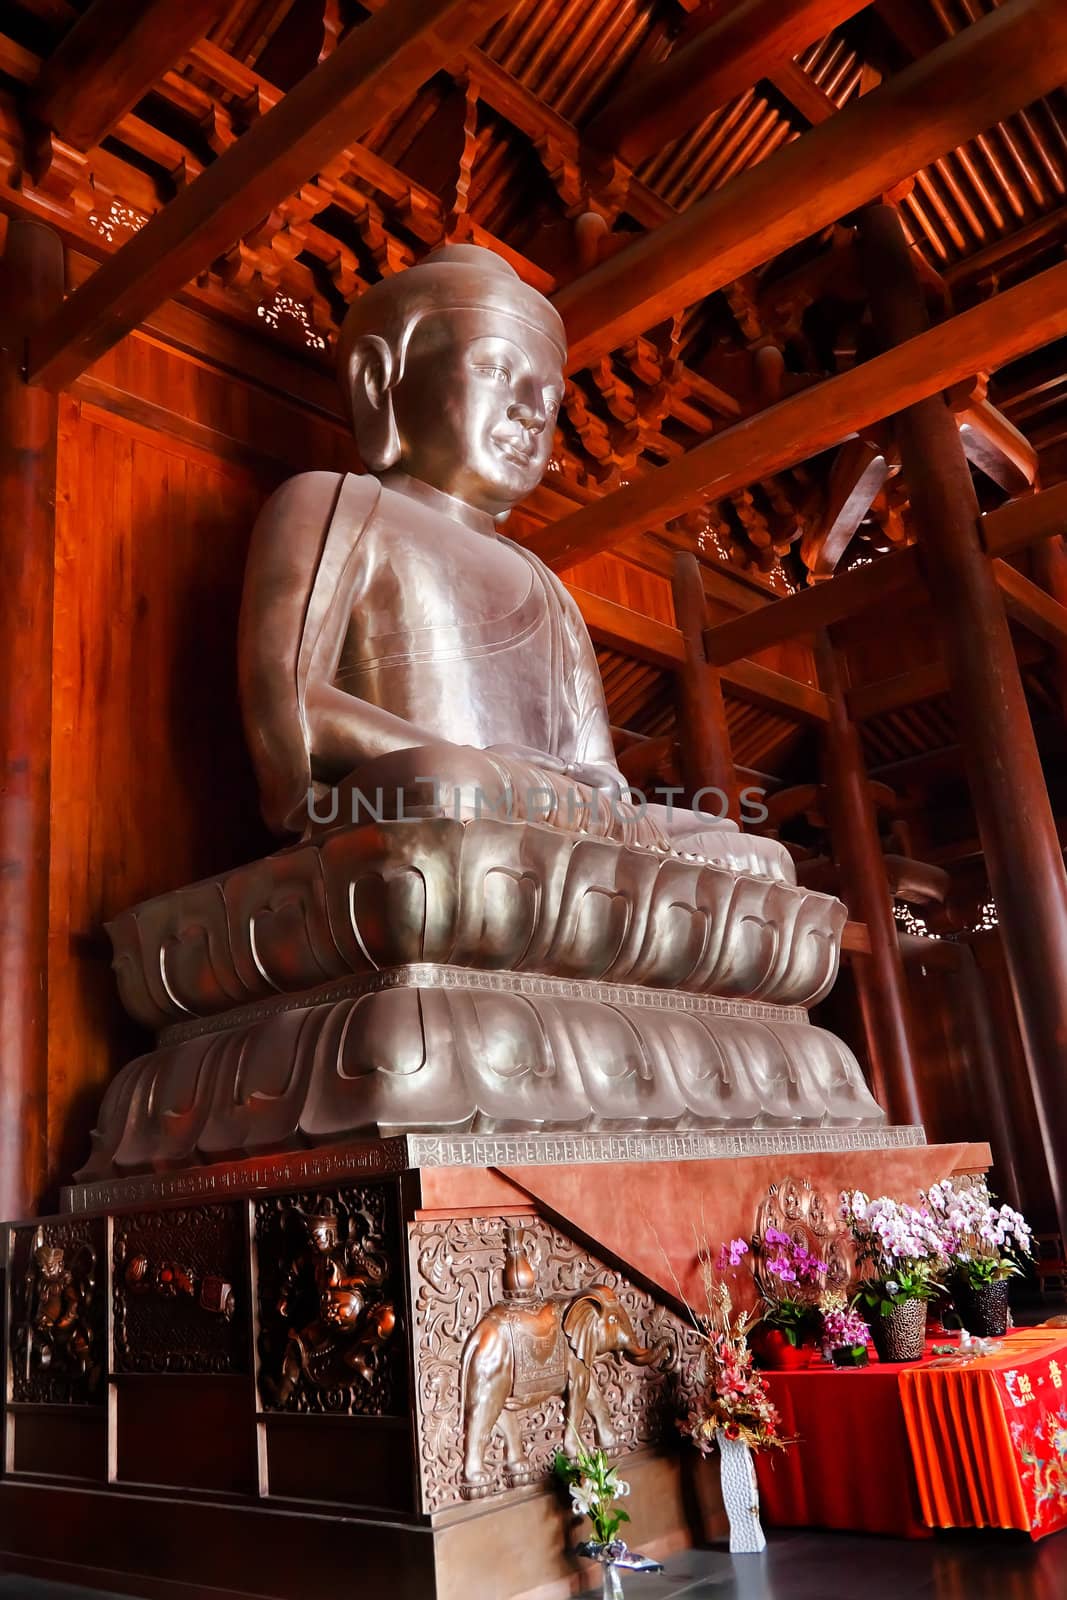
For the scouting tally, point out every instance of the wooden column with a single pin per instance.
(1015, 821)
(703, 732)
(881, 986)
(31, 286)
(988, 1061)
(1050, 571)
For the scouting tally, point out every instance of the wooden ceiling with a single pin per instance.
(682, 175)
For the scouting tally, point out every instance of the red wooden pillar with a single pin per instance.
(881, 986)
(1015, 821)
(1050, 571)
(31, 286)
(703, 732)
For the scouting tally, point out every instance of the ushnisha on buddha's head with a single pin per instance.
(454, 374)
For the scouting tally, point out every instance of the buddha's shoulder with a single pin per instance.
(310, 499)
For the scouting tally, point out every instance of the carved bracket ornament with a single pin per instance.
(57, 1332)
(327, 1269)
(794, 1206)
(524, 1342)
(175, 1304)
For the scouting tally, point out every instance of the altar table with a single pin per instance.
(939, 1443)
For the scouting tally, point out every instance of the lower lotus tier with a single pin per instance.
(446, 1049)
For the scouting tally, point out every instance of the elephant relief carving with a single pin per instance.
(527, 1349)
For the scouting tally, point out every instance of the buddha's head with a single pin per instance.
(454, 374)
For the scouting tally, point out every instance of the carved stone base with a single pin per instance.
(460, 1050)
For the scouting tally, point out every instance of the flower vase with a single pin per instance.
(740, 1495)
(612, 1589)
(900, 1335)
(983, 1308)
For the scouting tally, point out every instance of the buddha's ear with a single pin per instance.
(372, 371)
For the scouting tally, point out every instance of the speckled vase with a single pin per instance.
(901, 1335)
(984, 1310)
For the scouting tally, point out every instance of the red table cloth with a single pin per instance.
(932, 1444)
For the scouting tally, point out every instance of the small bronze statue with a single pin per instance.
(527, 1349)
(58, 1335)
(333, 1298)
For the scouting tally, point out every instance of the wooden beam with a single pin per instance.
(378, 67)
(1015, 55)
(632, 633)
(620, 628)
(998, 330)
(1024, 521)
(1002, 761)
(811, 609)
(856, 939)
(1031, 606)
(109, 59)
(727, 57)
(867, 700)
(786, 697)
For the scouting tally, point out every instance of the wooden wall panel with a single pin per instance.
(151, 784)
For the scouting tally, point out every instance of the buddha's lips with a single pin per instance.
(514, 452)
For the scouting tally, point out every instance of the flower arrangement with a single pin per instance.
(791, 1264)
(985, 1242)
(594, 1488)
(732, 1397)
(901, 1245)
(842, 1326)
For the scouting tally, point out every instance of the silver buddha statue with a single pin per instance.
(505, 943)
(390, 632)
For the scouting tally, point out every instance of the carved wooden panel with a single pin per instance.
(329, 1291)
(455, 1269)
(179, 1291)
(56, 1336)
(810, 1218)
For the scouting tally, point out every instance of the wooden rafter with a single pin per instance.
(1011, 324)
(109, 59)
(378, 67)
(725, 58)
(1031, 606)
(1016, 54)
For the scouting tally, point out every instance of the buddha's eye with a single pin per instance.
(498, 374)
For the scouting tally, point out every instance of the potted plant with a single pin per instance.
(595, 1487)
(902, 1250)
(788, 1319)
(731, 1409)
(844, 1332)
(985, 1246)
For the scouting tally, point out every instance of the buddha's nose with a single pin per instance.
(528, 410)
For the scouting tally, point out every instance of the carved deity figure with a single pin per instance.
(393, 641)
(340, 1283)
(59, 1333)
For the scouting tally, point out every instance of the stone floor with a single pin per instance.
(826, 1566)
(810, 1566)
